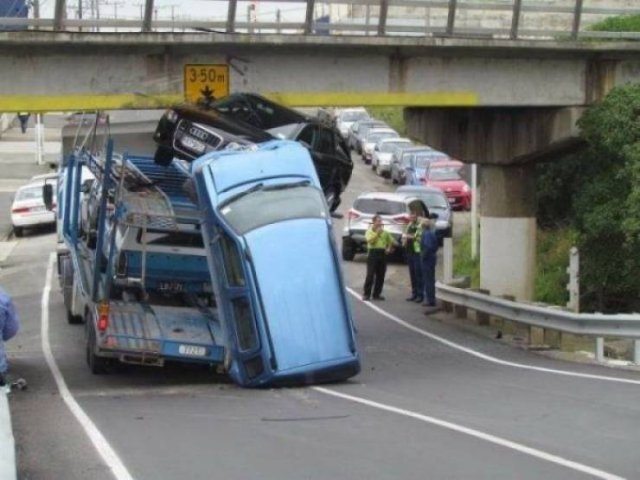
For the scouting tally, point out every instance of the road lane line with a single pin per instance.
(100, 443)
(487, 437)
(486, 357)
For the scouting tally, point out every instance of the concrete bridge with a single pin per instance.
(504, 103)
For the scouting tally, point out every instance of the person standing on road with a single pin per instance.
(411, 244)
(379, 244)
(8, 328)
(428, 254)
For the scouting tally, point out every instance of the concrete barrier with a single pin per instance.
(7, 446)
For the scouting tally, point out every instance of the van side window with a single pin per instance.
(325, 141)
(306, 136)
(232, 264)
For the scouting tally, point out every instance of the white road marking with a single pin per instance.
(100, 443)
(477, 434)
(485, 357)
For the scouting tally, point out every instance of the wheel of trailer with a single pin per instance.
(67, 282)
(73, 319)
(348, 249)
(97, 365)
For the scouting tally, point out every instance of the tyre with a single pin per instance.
(18, 231)
(348, 250)
(394, 180)
(73, 319)
(97, 365)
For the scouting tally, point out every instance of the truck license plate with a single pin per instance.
(175, 287)
(192, 350)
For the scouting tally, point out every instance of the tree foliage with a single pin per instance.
(598, 192)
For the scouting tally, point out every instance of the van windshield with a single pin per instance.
(380, 206)
(272, 204)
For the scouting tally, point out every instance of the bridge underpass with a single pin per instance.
(498, 103)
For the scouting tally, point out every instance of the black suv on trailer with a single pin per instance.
(189, 131)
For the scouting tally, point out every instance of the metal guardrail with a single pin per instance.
(7, 446)
(449, 18)
(591, 324)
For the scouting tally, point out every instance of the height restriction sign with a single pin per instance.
(205, 82)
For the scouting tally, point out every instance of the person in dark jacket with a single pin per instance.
(429, 257)
(8, 328)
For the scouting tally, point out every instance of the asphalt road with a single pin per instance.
(435, 399)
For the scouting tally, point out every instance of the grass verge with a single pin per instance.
(552, 254)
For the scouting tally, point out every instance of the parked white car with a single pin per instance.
(374, 136)
(382, 153)
(347, 117)
(28, 208)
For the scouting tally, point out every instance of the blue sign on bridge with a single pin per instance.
(13, 9)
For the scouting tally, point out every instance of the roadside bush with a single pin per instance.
(626, 23)
(463, 264)
(552, 260)
(598, 192)
(392, 116)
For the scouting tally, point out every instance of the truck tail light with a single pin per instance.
(21, 210)
(402, 219)
(352, 214)
(103, 316)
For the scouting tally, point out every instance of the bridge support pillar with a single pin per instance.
(506, 143)
(508, 230)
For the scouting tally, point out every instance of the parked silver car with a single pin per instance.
(346, 117)
(373, 136)
(394, 208)
(401, 160)
(382, 153)
(358, 130)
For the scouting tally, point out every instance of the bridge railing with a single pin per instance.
(509, 19)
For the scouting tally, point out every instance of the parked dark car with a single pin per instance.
(189, 131)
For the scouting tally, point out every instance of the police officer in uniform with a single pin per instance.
(379, 244)
(428, 253)
(411, 244)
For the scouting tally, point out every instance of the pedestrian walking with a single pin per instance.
(8, 328)
(411, 245)
(379, 244)
(428, 254)
(23, 117)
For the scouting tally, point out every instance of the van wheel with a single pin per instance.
(18, 231)
(97, 365)
(73, 319)
(348, 250)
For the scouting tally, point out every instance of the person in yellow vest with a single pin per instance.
(379, 244)
(411, 245)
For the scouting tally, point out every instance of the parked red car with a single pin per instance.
(445, 175)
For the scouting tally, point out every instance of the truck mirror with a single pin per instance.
(47, 195)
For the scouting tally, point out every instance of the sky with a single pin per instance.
(182, 10)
